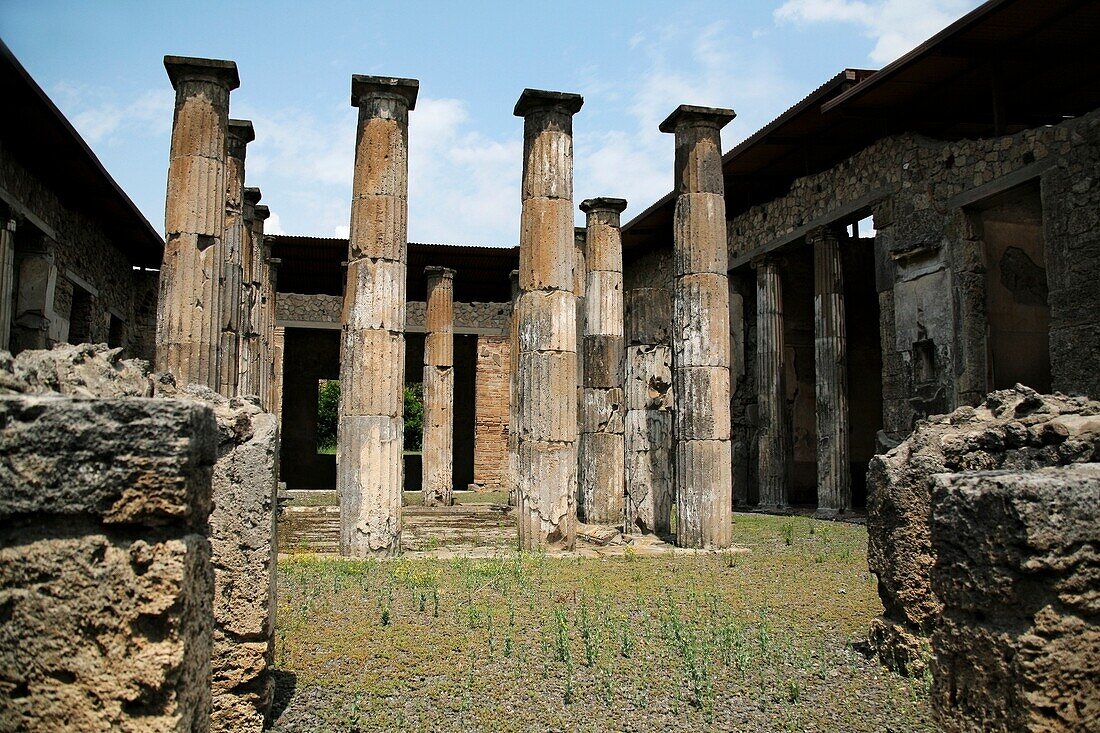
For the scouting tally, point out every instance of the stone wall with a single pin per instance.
(76, 253)
(326, 309)
(105, 575)
(491, 413)
(1013, 429)
(239, 538)
(1018, 644)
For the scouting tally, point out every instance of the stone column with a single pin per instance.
(189, 319)
(248, 356)
(601, 449)
(834, 485)
(261, 273)
(369, 470)
(648, 392)
(269, 330)
(7, 280)
(34, 299)
(580, 286)
(513, 402)
(239, 135)
(701, 331)
(546, 451)
(439, 387)
(773, 459)
(277, 352)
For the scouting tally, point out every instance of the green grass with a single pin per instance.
(701, 641)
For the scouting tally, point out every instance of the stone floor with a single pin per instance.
(310, 523)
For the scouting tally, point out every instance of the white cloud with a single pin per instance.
(102, 117)
(896, 26)
(273, 225)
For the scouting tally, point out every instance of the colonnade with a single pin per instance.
(216, 306)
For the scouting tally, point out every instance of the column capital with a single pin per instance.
(603, 203)
(9, 225)
(251, 195)
(764, 260)
(261, 212)
(534, 100)
(435, 272)
(689, 115)
(190, 68)
(821, 233)
(365, 87)
(241, 130)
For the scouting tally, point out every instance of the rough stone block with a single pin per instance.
(703, 401)
(699, 228)
(379, 228)
(547, 321)
(1018, 644)
(698, 164)
(382, 150)
(548, 156)
(603, 361)
(125, 460)
(603, 304)
(376, 295)
(546, 382)
(370, 447)
(195, 204)
(374, 379)
(546, 487)
(601, 478)
(649, 487)
(704, 493)
(602, 410)
(648, 379)
(648, 316)
(700, 320)
(545, 254)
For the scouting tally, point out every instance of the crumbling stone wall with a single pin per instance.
(1015, 429)
(80, 246)
(1017, 646)
(105, 576)
(326, 309)
(240, 549)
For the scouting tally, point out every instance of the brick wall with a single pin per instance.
(491, 416)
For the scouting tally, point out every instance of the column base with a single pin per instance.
(827, 513)
(770, 509)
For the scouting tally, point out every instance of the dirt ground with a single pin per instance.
(750, 641)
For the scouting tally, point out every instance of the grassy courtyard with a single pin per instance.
(749, 642)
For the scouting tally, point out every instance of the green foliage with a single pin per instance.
(414, 416)
(328, 415)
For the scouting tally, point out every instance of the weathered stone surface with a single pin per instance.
(373, 380)
(773, 456)
(649, 486)
(439, 389)
(702, 418)
(547, 321)
(188, 314)
(121, 460)
(603, 361)
(704, 501)
(602, 479)
(244, 553)
(1013, 429)
(542, 376)
(543, 223)
(83, 370)
(370, 489)
(603, 304)
(104, 564)
(648, 378)
(648, 316)
(694, 222)
(381, 288)
(700, 320)
(1018, 643)
(602, 410)
(544, 454)
(378, 227)
(491, 413)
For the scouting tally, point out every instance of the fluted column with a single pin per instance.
(834, 483)
(261, 273)
(189, 321)
(773, 459)
(513, 402)
(277, 352)
(546, 453)
(271, 364)
(7, 280)
(602, 450)
(648, 392)
(370, 436)
(239, 135)
(439, 388)
(249, 354)
(701, 332)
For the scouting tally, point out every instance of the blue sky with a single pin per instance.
(633, 61)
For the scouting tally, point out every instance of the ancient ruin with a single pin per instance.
(852, 358)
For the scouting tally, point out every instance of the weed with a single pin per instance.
(794, 692)
(386, 616)
(787, 531)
